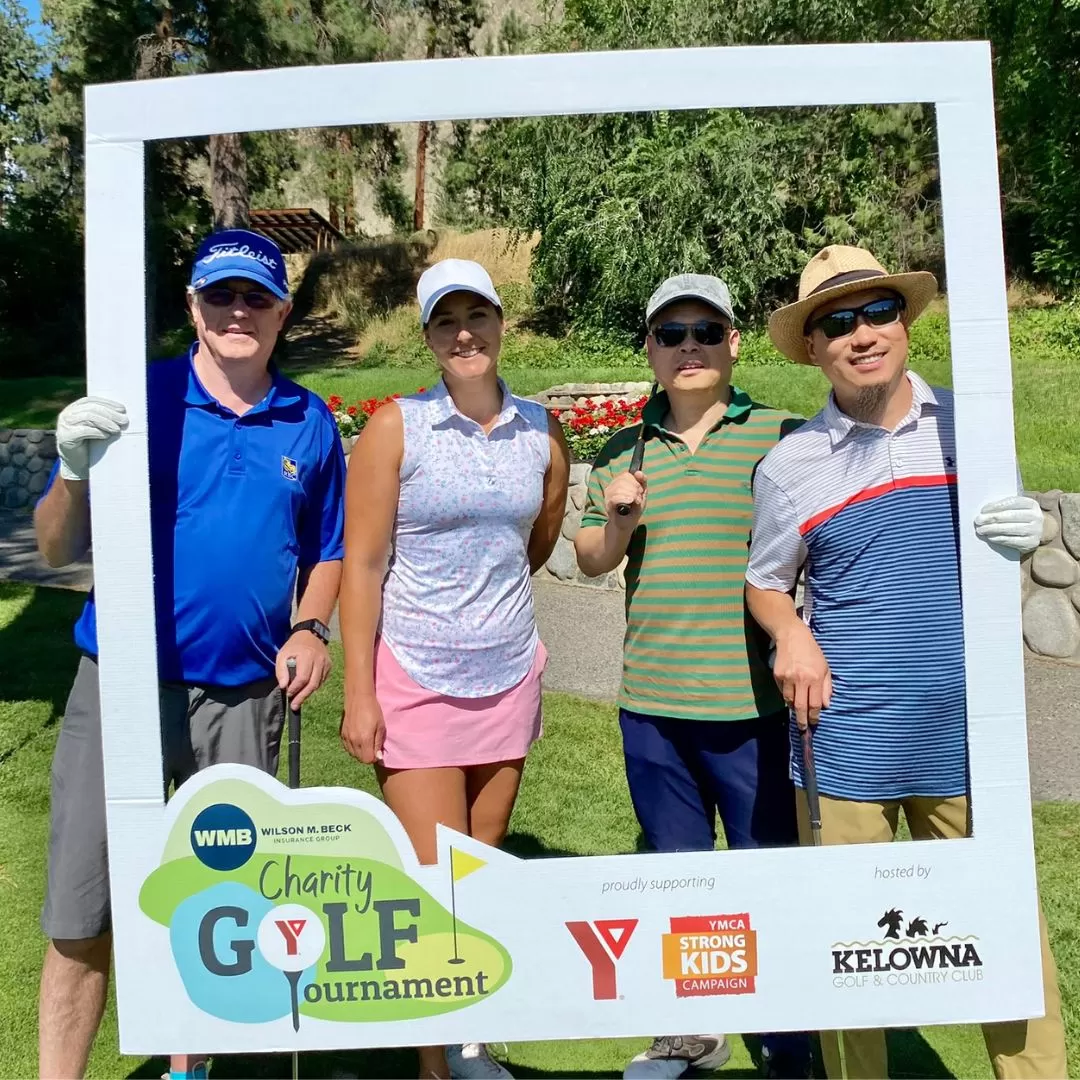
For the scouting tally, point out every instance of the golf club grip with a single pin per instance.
(813, 800)
(294, 731)
(636, 460)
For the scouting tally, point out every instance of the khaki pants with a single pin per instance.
(1019, 1049)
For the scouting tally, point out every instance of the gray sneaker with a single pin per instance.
(672, 1055)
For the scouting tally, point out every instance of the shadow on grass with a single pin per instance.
(38, 655)
(359, 1063)
(911, 1055)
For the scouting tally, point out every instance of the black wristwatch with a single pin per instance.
(319, 629)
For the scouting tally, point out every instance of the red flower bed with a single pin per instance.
(351, 419)
(587, 427)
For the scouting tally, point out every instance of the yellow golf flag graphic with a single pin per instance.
(464, 863)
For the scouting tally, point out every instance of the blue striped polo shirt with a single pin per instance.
(873, 516)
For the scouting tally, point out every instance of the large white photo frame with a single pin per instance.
(962, 876)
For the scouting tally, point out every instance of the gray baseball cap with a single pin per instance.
(704, 287)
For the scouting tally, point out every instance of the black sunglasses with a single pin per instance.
(255, 299)
(838, 324)
(670, 334)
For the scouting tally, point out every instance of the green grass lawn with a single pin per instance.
(573, 801)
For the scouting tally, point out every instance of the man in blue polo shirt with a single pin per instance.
(246, 481)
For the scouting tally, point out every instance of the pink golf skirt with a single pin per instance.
(429, 730)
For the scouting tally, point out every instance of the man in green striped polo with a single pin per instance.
(704, 726)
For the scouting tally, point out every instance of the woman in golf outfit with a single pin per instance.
(463, 487)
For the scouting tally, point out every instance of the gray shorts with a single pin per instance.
(200, 726)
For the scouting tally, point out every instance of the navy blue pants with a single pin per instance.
(682, 773)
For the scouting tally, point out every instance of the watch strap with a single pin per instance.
(318, 628)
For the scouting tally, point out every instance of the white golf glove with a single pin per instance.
(83, 420)
(1015, 522)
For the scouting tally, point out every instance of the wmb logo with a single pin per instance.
(223, 837)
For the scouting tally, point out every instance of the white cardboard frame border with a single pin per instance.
(956, 77)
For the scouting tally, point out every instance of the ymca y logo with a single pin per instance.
(603, 942)
(290, 931)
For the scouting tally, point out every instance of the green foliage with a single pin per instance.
(1037, 78)
(744, 194)
(337, 32)
(23, 100)
(37, 234)
(750, 195)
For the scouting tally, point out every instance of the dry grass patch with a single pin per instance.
(506, 257)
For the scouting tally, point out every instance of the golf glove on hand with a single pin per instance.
(83, 420)
(1015, 522)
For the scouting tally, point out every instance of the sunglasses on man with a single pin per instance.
(255, 299)
(705, 332)
(838, 324)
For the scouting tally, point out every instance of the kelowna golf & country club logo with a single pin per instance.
(912, 951)
(279, 910)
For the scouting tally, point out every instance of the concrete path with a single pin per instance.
(20, 561)
(583, 629)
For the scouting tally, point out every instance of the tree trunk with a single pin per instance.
(228, 182)
(421, 169)
(421, 148)
(347, 154)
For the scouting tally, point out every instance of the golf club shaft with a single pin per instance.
(294, 782)
(813, 800)
(638, 456)
(294, 730)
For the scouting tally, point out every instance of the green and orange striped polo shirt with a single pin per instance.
(691, 649)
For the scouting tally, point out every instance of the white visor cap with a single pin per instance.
(453, 275)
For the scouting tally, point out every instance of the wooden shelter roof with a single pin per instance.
(296, 230)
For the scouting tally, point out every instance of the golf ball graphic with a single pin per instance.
(291, 937)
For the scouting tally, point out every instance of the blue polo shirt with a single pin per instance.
(238, 506)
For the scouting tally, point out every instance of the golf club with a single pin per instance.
(294, 782)
(813, 801)
(638, 455)
(294, 729)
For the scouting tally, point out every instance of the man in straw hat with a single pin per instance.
(703, 725)
(864, 495)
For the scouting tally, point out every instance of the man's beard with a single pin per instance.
(868, 407)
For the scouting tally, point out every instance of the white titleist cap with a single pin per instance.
(453, 275)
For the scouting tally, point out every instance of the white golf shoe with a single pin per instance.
(471, 1060)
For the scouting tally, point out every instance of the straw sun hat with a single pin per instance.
(836, 271)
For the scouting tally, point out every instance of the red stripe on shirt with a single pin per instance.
(873, 493)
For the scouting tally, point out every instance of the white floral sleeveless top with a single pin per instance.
(457, 608)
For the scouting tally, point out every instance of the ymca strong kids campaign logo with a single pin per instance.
(711, 954)
(276, 909)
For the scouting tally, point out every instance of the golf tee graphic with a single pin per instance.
(263, 918)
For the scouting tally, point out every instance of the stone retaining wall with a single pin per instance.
(562, 566)
(568, 394)
(1051, 581)
(26, 456)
